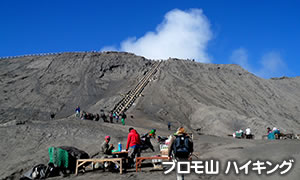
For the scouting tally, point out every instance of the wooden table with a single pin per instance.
(121, 154)
(140, 159)
(81, 162)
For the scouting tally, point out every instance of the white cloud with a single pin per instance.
(109, 48)
(240, 56)
(182, 34)
(271, 63)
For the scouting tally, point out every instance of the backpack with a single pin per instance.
(182, 147)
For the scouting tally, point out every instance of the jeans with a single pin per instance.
(133, 152)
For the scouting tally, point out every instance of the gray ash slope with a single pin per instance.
(32, 87)
(221, 98)
(216, 98)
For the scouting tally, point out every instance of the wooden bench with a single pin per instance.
(140, 159)
(81, 162)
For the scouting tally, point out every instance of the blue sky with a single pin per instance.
(261, 36)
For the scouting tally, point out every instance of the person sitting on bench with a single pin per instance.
(106, 148)
(105, 152)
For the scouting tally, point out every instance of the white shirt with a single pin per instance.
(248, 131)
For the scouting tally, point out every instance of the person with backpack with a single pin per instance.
(180, 147)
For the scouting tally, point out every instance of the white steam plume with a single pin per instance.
(182, 34)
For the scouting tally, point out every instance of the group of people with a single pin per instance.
(133, 147)
(112, 116)
(241, 134)
(180, 146)
(273, 133)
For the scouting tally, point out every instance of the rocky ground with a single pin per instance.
(215, 99)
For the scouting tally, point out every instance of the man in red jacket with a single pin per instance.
(133, 146)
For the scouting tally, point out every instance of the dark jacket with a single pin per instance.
(172, 141)
(123, 116)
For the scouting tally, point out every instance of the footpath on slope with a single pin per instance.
(136, 91)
